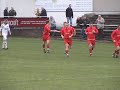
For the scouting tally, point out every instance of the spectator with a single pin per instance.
(53, 23)
(78, 22)
(69, 14)
(6, 13)
(85, 21)
(37, 13)
(100, 25)
(12, 12)
(43, 12)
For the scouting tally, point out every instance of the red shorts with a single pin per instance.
(117, 43)
(92, 42)
(45, 38)
(66, 41)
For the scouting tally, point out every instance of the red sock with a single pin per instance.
(66, 51)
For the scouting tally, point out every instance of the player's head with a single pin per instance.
(5, 21)
(47, 22)
(91, 24)
(65, 24)
(119, 27)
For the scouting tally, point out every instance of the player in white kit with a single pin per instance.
(4, 31)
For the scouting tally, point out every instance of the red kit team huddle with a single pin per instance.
(67, 32)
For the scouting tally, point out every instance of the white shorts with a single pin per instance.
(4, 36)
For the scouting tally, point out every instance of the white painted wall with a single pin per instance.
(26, 8)
(23, 7)
(106, 5)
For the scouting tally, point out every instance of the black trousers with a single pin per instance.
(100, 34)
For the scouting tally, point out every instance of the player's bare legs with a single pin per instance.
(48, 46)
(67, 49)
(44, 45)
(116, 52)
(4, 44)
(91, 48)
(70, 45)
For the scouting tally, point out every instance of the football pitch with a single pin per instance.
(24, 66)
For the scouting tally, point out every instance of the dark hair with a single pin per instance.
(91, 23)
(47, 21)
(64, 22)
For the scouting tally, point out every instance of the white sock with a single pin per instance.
(3, 44)
(6, 44)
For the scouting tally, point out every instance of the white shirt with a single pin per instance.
(5, 29)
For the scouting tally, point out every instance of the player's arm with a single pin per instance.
(113, 36)
(62, 34)
(86, 31)
(55, 31)
(71, 36)
(95, 31)
(9, 30)
(74, 31)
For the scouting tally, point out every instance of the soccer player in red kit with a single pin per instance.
(116, 39)
(66, 34)
(91, 32)
(46, 36)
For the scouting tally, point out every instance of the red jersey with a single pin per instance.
(46, 31)
(73, 29)
(116, 35)
(66, 32)
(91, 33)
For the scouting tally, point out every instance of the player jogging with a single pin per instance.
(46, 37)
(5, 29)
(116, 39)
(91, 32)
(67, 33)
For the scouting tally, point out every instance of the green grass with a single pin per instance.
(25, 67)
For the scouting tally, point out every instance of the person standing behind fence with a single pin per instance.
(37, 12)
(12, 12)
(85, 21)
(6, 13)
(69, 14)
(100, 26)
(43, 12)
(79, 22)
(53, 23)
